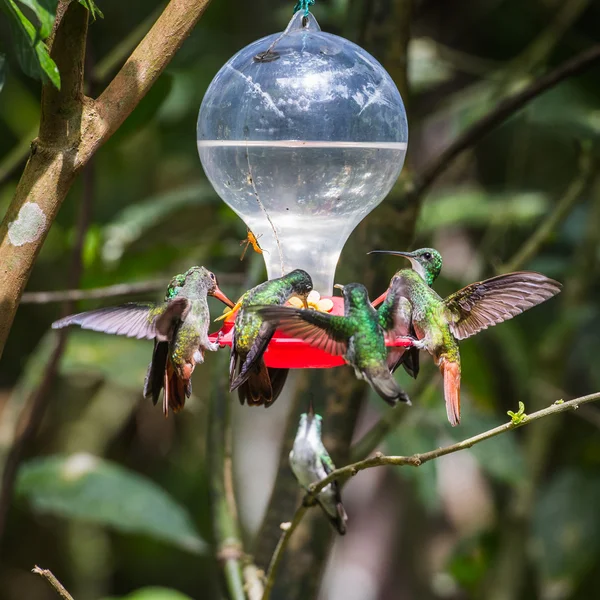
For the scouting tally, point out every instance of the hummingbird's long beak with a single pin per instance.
(393, 253)
(305, 301)
(219, 295)
(339, 286)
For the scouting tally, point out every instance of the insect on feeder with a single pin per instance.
(302, 134)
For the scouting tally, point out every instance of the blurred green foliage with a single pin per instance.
(154, 214)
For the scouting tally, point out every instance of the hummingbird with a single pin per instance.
(178, 326)
(256, 384)
(358, 336)
(439, 323)
(310, 462)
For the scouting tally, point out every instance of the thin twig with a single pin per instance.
(55, 583)
(416, 460)
(505, 109)
(112, 291)
(534, 243)
(287, 530)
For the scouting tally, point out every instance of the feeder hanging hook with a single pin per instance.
(303, 5)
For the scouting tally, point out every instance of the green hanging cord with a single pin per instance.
(303, 5)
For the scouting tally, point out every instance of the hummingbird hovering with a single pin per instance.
(440, 322)
(358, 336)
(179, 327)
(310, 462)
(256, 384)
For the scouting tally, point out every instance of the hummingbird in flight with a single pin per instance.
(439, 323)
(256, 384)
(310, 462)
(178, 326)
(358, 336)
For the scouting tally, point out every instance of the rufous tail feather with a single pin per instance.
(176, 390)
(451, 372)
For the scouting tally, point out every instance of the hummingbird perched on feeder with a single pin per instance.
(179, 327)
(440, 322)
(256, 384)
(358, 336)
(310, 462)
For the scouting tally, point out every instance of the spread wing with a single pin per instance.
(486, 303)
(324, 331)
(135, 319)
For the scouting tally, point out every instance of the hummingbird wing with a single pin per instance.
(134, 319)
(340, 519)
(486, 303)
(324, 331)
(395, 317)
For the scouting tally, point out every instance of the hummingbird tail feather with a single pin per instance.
(385, 385)
(256, 389)
(278, 378)
(451, 372)
(155, 375)
(340, 522)
(176, 390)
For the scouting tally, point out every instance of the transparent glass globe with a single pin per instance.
(302, 134)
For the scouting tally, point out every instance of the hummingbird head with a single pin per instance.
(301, 283)
(310, 425)
(427, 262)
(355, 294)
(197, 281)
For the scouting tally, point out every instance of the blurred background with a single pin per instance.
(114, 499)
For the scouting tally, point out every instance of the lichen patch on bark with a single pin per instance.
(28, 226)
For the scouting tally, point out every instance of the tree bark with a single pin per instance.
(72, 129)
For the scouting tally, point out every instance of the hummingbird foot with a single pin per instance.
(414, 342)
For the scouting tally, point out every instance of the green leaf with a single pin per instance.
(84, 487)
(45, 12)
(136, 219)
(32, 52)
(92, 8)
(153, 593)
(517, 417)
(565, 528)
(477, 208)
(88, 352)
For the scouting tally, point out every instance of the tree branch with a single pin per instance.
(55, 583)
(505, 109)
(72, 129)
(416, 460)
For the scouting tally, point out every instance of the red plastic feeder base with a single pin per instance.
(285, 352)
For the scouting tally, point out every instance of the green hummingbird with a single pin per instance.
(178, 326)
(310, 462)
(358, 336)
(440, 322)
(256, 384)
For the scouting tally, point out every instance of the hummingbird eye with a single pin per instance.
(427, 256)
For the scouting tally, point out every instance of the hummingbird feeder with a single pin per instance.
(302, 133)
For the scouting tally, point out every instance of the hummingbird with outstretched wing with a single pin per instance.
(357, 336)
(439, 323)
(178, 326)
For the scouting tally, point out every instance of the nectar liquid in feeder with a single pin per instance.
(302, 133)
